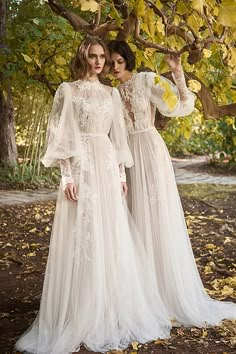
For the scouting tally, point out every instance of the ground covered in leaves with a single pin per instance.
(210, 215)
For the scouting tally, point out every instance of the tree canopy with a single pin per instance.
(42, 36)
(202, 31)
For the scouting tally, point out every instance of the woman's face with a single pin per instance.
(96, 59)
(118, 65)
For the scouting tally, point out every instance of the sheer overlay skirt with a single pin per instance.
(156, 208)
(99, 289)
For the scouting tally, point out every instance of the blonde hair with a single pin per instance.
(80, 65)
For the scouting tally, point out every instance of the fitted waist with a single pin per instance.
(142, 130)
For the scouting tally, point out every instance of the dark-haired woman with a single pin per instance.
(153, 196)
(96, 291)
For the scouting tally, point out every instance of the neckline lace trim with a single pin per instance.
(127, 82)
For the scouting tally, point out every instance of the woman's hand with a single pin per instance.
(124, 189)
(174, 62)
(71, 191)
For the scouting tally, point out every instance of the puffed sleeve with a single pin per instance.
(63, 135)
(118, 133)
(171, 100)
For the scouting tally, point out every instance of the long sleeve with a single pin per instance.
(171, 100)
(66, 172)
(180, 82)
(122, 173)
(63, 134)
(118, 133)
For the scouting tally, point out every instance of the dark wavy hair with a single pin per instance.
(80, 64)
(124, 50)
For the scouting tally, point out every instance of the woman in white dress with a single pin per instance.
(153, 196)
(96, 290)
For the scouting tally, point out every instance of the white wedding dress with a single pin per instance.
(154, 201)
(98, 289)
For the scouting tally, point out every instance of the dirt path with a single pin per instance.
(210, 214)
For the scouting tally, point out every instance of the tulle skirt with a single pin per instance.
(99, 289)
(156, 208)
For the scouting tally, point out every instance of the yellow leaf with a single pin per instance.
(35, 245)
(159, 341)
(160, 26)
(232, 60)
(38, 217)
(194, 85)
(37, 62)
(60, 61)
(140, 8)
(207, 270)
(206, 53)
(134, 345)
(26, 58)
(187, 134)
(33, 230)
(215, 11)
(31, 254)
(25, 245)
(227, 14)
(210, 246)
(204, 333)
(159, 4)
(182, 7)
(169, 97)
(47, 229)
(198, 5)
(195, 21)
(148, 53)
(89, 5)
(157, 79)
(227, 291)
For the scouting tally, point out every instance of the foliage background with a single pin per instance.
(40, 45)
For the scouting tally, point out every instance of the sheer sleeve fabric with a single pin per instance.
(66, 172)
(171, 100)
(63, 136)
(118, 133)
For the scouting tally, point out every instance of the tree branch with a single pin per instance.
(178, 31)
(42, 78)
(148, 44)
(157, 11)
(122, 7)
(79, 24)
(126, 29)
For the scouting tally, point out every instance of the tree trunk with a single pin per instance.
(8, 149)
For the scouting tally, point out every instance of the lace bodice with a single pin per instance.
(141, 97)
(84, 110)
(92, 105)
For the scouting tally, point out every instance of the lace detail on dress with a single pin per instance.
(127, 90)
(180, 82)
